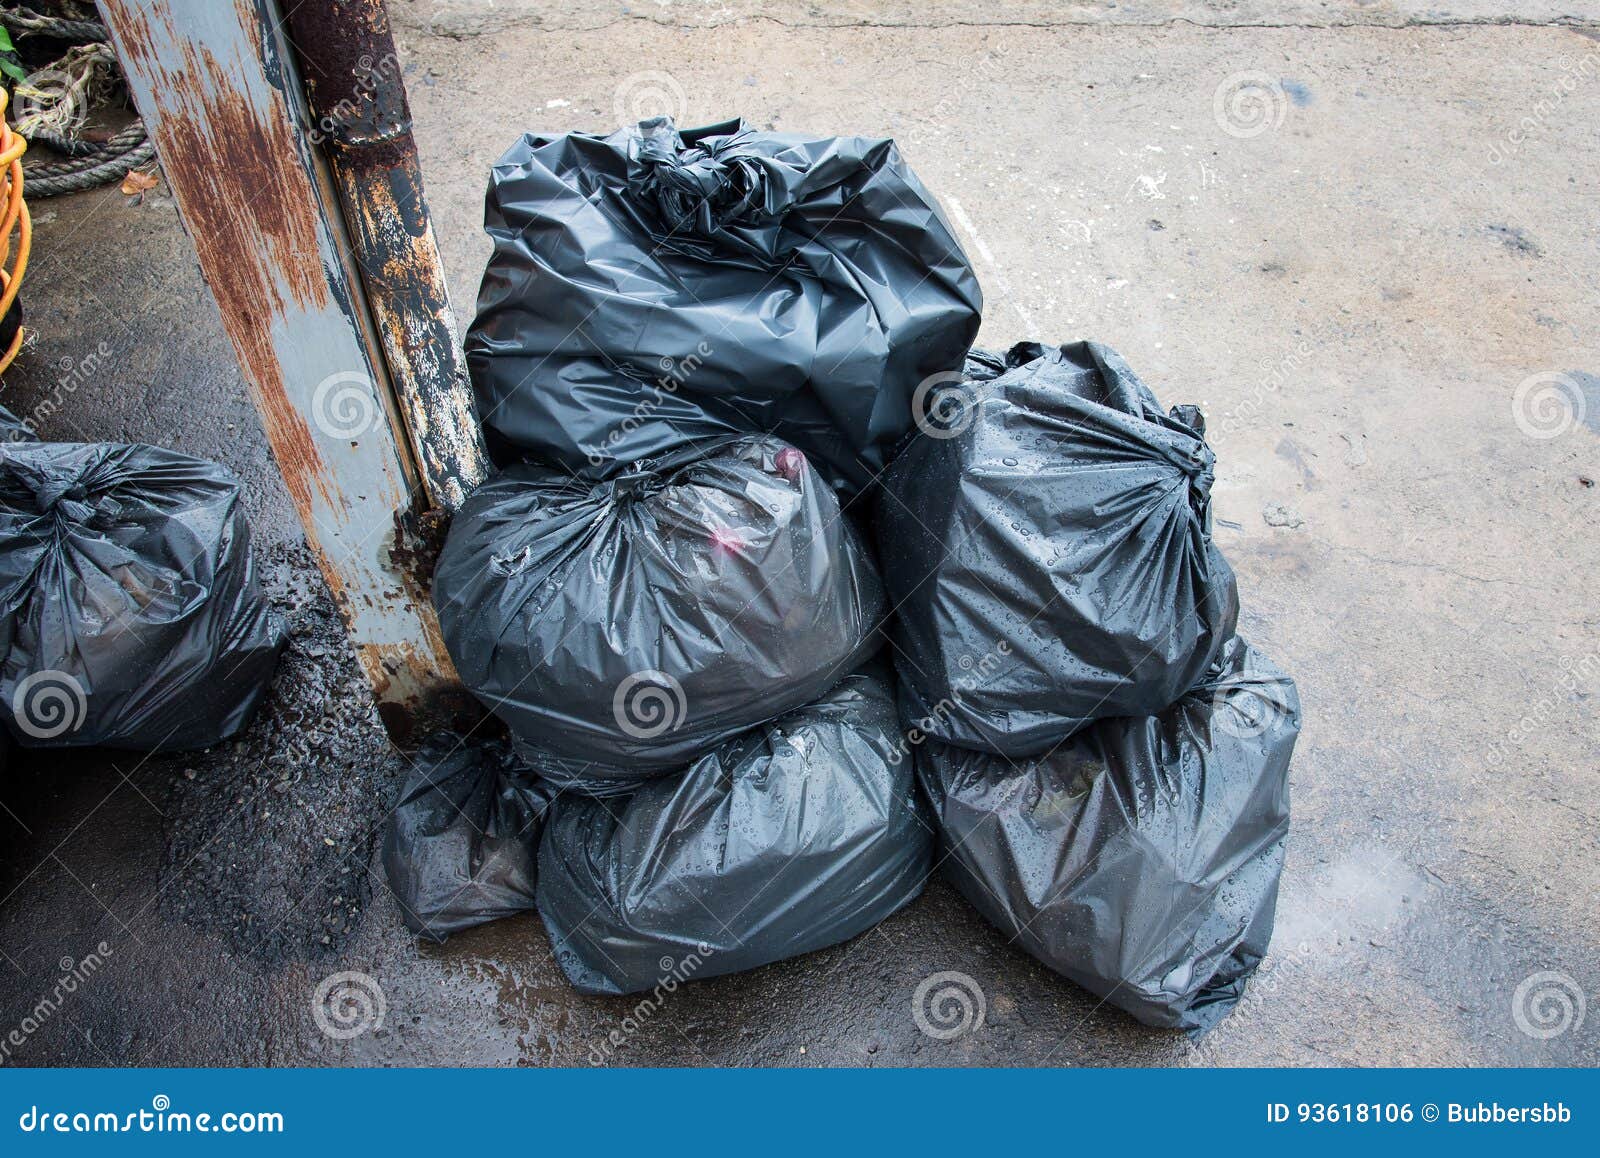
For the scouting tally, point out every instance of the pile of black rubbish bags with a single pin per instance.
(787, 597)
(131, 615)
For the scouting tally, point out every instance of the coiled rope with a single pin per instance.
(13, 216)
(58, 99)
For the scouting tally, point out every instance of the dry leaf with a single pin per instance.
(137, 182)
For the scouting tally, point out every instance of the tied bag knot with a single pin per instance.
(708, 180)
(66, 499)
(1200, 461)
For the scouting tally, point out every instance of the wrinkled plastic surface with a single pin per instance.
(137, 618)
(631, 625)
(792, 837)
(1050, 560)
(649, 289)
(461, 848)
(1140, 858)
(12, 430)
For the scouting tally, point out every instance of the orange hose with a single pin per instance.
(14, 214)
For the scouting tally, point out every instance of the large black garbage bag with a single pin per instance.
(636, 623)
(137, 617)
(794, 836)
(12, 430)
(650, 289)
(1141, 857)
(1048, 553)
(461, 848)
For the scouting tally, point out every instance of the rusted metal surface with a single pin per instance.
(223, 110)
(358, 113)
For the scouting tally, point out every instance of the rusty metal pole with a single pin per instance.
(223, 106)
(360, 116)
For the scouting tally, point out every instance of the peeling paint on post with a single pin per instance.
(359, 113)
(209, 80)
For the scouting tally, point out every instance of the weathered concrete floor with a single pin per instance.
(1354, 294)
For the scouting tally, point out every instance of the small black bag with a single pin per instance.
(624, 628)
(1141, 857)
(794, 836)
(461, 847)
(129, 591)
(651, 288)
(1046, 545)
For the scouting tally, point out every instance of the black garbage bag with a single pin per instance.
(137, 618)
(633, 624)
(1046, 544)
(794, 836)
(461, 848)
(652, 288)
(1141, 857)
(12, 430)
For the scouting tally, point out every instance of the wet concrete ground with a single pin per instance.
(1355, 279)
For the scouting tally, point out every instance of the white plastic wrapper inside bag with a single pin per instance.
(625, 628)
